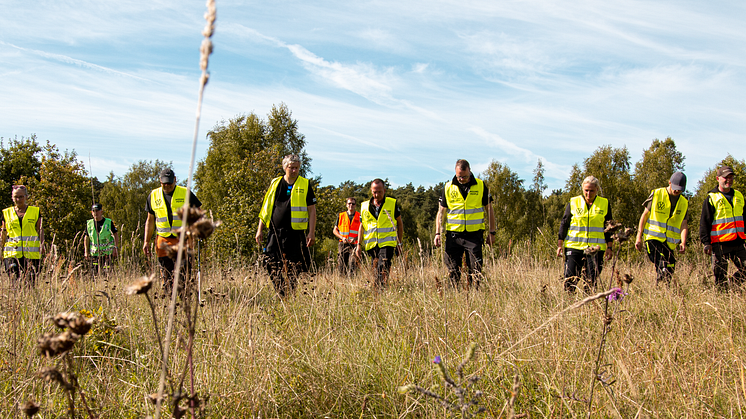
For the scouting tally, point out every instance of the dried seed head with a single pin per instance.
(194, 214)
(591, 250)
(62, 320)
(141, 286)
(53, 345)
(628, 278)
(30, 408)
(203, 228)
(152, 398)
(173, 250)
(52, 375)
(81, 325)
(612, 226)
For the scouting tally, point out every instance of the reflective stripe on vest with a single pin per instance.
(158, 205)
(23, 240)
(298, 208)
(349, 229)
(102, 243)
(464, 214)
(587, 224)
(728, 223)
(660, 226)
(379, 231)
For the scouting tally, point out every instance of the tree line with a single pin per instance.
(245, 153)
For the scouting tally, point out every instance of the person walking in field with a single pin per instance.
(664, 226)
(162, 206)
(381, 229)
(465, 203)
(101, 241)
(346, 230)
(288, 211)
(22, 237)
(582, 237)
(721, 229)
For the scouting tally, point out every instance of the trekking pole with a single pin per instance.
(199, 271)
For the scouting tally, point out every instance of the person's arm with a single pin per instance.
(641, 228)
(399, 230)
(87, 246)
(608, 236)
(149, 227)
(491, 223)
(439, 226)
(564, 226)
(684, 234)
(259, 238)
(116, 244)
(311, 239)
(705, 224)
(3, 238)
(360, 235)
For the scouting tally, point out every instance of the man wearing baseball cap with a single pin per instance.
(721, 229)
(162, 206)
(101, 241)
(664, 226)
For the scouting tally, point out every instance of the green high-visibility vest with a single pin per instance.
(102, 243)
(158, 204)
(587, 224)
(662, 225)
(298, 207)
(465, 214)
(23, 240)
(379, 231)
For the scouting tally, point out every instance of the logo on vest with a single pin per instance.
(661, 206)
(158, 202)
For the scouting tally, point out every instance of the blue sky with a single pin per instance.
(391, 89)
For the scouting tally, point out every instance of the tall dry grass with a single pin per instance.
(337, 348)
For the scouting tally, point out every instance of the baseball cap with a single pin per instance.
(725, 171)
(168, 176)
(678, 181)
(97, 207)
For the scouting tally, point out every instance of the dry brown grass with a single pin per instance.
(340, 349)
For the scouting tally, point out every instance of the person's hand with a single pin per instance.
(682, 247)
(490, 239)
(358, 252)
(259, 237)
(607, 254)
(559, 251)
(146, 249)
(115, 253)
(708, 249)
(638, 244)
(87, 256)
(436, 240)
(311, 239)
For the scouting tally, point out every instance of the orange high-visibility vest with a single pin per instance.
(349, 229)
(728, 222)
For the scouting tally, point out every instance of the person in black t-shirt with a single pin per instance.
(288, 210)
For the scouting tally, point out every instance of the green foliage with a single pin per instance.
(22, 159)
(63, 196)
(508, 193)
(658, 163)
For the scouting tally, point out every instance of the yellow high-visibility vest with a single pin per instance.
(587, 224)
(158, 204)
(102, 242)
(661, 225)
(379, 231)
(23, 240)
(728, 223)
(298, 207)
(465, 214)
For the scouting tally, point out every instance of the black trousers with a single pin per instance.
(346, 258)
(287, 256)
(663, 258)
(575, 261)
(22, 269)
(467, 243)
(721, 254)
(382, 258)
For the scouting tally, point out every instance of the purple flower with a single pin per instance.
(437, 359)
(617, 294)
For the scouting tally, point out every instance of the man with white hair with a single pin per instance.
(288, 211)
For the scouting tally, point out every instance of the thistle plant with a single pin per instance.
(463, 400)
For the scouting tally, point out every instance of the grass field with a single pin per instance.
(339, 349)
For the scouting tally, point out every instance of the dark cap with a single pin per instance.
(97, 207)
(725, 171)
(168, 176)
(678, 181)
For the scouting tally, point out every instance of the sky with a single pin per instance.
(389, 89)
